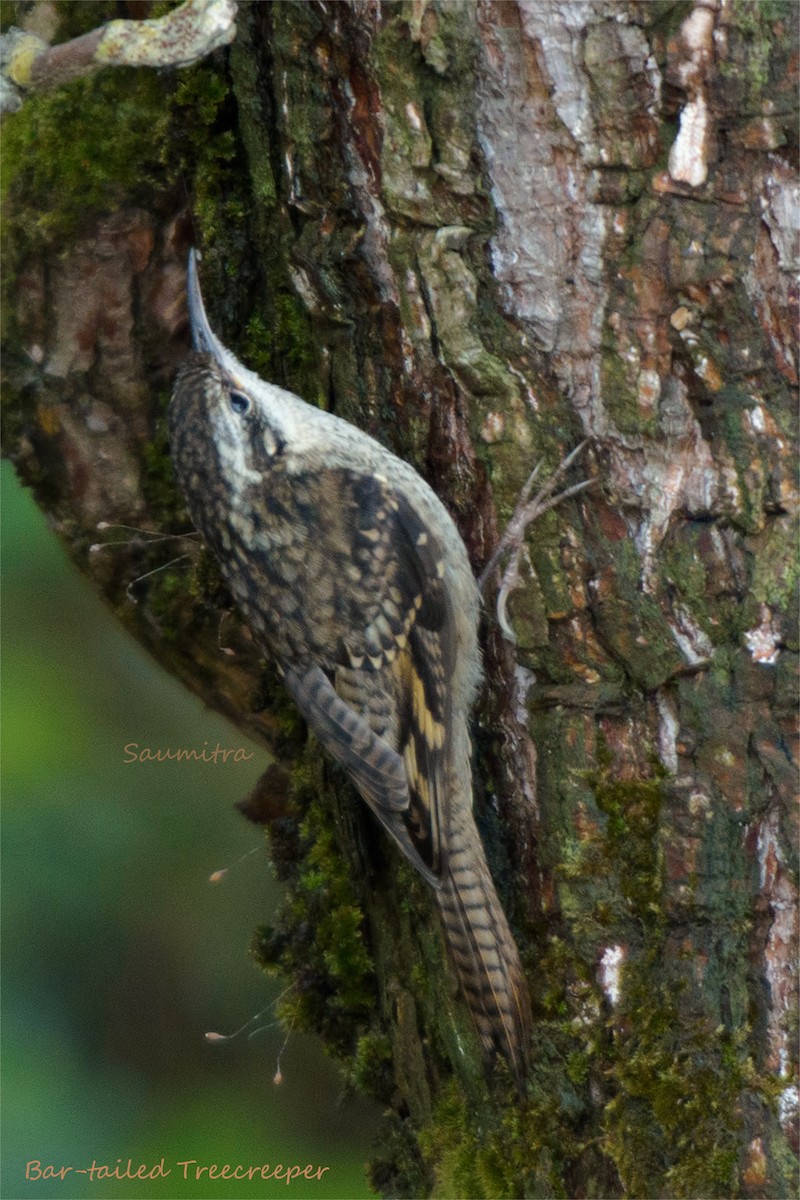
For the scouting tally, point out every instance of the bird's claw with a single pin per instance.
(525, 513)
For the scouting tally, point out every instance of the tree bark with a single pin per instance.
(483, 231)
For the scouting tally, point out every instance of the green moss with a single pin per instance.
(776, 578)
(65, 159)
(202, 113)
(158, 480)
(630, 848)
(206, 585)
(8, 14)
(683, 566)
(76, 19)
(609, 880)
(450, 1143)
(164, 602)
(546, 558)
(116, 138)
(633, 625)
(752, 57)
(399, 1170)
(202, 154)
(285, 345)
(253, 128)
(372, 1066)
(673, 1129)
(319, 936)
(112, 139)
(688, 567)
(620, 397)
(531, 1148)
(673, 1125)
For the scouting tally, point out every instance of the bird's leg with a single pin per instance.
(525, 513)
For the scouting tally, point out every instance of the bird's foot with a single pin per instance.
(526, 512)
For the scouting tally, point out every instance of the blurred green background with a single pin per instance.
(117, 952)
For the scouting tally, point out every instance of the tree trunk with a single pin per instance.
(483, 231)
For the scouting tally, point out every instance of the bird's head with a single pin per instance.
(226, 425)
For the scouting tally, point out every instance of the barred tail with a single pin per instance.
(484, 953)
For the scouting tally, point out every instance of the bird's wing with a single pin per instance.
(376, 770)
(404, 652)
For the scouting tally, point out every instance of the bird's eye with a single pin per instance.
(239, 402)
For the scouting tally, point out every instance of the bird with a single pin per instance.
(355, 581)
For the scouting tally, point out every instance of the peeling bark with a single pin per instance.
(482, 232)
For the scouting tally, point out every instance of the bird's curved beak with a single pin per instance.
(203, 337)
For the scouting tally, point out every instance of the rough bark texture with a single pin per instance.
(482, 232)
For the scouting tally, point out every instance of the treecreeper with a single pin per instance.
(354, 579)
